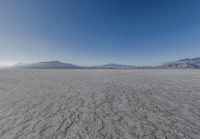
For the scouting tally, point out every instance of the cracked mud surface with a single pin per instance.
(99, 104)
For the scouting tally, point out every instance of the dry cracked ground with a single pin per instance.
(99, 104)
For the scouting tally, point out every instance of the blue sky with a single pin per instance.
(93, 32)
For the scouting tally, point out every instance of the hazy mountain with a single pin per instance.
(188, 63)
(177, 65)
(20, 64)
(195, 61)
(60, 65)
(47, 65)
(114, 66)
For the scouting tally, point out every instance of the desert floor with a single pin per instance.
(99, 104)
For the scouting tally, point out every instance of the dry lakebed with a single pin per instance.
(99, 104)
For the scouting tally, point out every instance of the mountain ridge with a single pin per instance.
(187, 63)
(47, 65)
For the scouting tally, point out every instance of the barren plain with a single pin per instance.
(99, 104)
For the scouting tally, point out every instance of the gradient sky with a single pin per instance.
(93, 32)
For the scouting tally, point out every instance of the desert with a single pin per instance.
(99, 104)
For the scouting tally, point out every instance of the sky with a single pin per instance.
(94, 32)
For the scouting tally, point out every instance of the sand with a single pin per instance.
(99, 104)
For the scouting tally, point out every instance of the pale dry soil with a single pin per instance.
(99, 104)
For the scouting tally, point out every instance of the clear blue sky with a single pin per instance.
(93, 32)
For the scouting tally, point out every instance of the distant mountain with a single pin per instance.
(47, 65)
(21, 64)
(60, 65)
(195, 61)
(177, 65)
(188, 63)
(114, 66)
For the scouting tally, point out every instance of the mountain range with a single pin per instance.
(188, 63)
(113, 66)
(46, 65)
